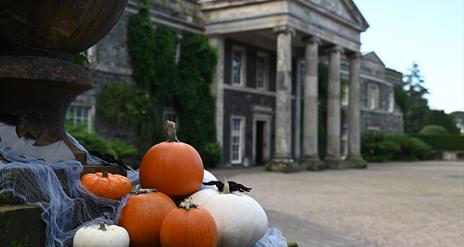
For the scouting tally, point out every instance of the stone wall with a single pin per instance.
(381, 121)
(242, 104)
(251, 52)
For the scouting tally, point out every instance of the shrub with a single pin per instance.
(413, 148)
(379, 147)
(433, 130)
(443, 142)
(211, 154)
(94, 142)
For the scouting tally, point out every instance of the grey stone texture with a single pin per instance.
(310, 114)
(334, 107)
(21, 225)
(373, 71)
(354, 112)
(238, 103)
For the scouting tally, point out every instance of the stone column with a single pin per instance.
(217, 87)
(333, 110)
(354, 116)
(283, 160)
(310, 115)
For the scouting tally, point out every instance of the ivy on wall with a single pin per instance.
(161, 83)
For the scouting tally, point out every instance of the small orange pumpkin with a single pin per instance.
(189, 226)
(142, 217)
(107, 185)
(172, 167)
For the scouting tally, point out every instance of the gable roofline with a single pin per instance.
(373, 57)
(357, 14)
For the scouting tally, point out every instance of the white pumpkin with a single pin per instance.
(240, 220)
(208, 177)
(101, 236)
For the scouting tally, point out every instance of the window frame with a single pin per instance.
(243, 63)
(266, 71)
(391, 101)
(81, 119)
(241, 143)
(373, 103)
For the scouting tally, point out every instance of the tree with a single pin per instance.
(439, 117)
(459, 119)
(413, 101)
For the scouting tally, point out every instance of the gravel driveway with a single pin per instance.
(389, 204)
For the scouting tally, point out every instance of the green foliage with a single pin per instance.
(377, 148)
(212, 154)
(443, 142)
(413, 148)
(437, 117)
(82, 60)
(141, 45)
(459, 119)
(401, 98)
(380, 147)
(413, 101)
(92, 141)
(161, 83)
(195, 103)
(433, 130)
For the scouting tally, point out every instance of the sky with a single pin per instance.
(429, 32)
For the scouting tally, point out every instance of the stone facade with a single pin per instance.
(266, 102)
(386, 116)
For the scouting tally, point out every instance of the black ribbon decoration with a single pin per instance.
(233, 186)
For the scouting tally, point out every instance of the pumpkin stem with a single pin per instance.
(188, 204)
(102, 227)
(170, 131)
(105, 174)
(226, 189)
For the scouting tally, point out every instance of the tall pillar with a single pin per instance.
(310, 115)
(354, 159)
(217, 87)
(333, 110)
(283, 160)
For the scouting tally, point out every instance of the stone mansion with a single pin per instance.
(266, 81)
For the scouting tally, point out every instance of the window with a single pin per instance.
(80, 114)
(373, 96)
(262, 70)
(236, 137)
(170, 115)
(238, 66)
(391, 102)
(345, 95)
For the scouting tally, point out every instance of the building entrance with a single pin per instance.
(260, 142)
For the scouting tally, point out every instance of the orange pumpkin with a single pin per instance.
(189, 226)
(107, 185)
(172, 167)
(142, 217)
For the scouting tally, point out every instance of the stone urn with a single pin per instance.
(38, 79)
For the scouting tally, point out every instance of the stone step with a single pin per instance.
(21, 225)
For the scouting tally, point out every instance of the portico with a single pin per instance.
(293, 30)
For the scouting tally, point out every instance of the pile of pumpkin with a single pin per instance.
(204, 216)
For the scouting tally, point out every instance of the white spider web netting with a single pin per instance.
(56, 189)
(66, 205)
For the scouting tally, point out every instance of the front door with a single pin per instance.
(260, 142)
